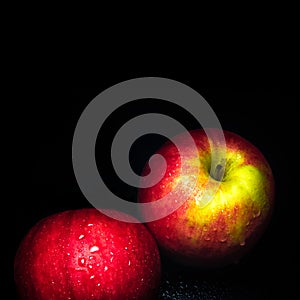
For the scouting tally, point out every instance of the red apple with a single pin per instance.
(83, 254)
(228, 226)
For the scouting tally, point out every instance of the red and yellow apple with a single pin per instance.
(83, 254)
(222, 231)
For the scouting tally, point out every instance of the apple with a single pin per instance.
(230, 224)
(83, 254)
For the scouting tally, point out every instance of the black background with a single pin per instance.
(264, 116)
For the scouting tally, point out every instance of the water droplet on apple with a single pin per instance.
(93, 276)
(223, 239)
(125, 248)
(129, 263)
(94, 249)
(81, 236)
(90, 266)
(256, 214)
(90, 224)
(242, 243)
(207, 238)
(91, 257)
(98, 284)
(81, 262)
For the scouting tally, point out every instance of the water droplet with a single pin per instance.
(129, 263)
(242, 243)
(215, 229)
(248, 222)
(125, 248)
(68, 254)
(105, 268)
(81, 236)
(93, 276)
(256, 213)
(94, 249)
(223, 239)
(91, 257)
(98, 284)
(90, 266)
(207, 238)
(81, 261)
(142, 279)
(111, 259)
(90, 224)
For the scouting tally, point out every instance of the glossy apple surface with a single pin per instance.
(222, 231)
(83, 254)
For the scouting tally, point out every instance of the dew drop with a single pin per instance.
(81, 261)
(242, 243)
(105, 268)
(81, 236)
(256, 214)
(98, 284)
(90, 266)
(90, 224)
(129, 263)
(94, 249)
(125, 248)
(93, 276)
(91, 257)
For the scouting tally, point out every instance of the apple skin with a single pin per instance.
(224, 230)
(83, 254)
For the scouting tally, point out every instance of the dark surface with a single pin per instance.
(266, 117)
